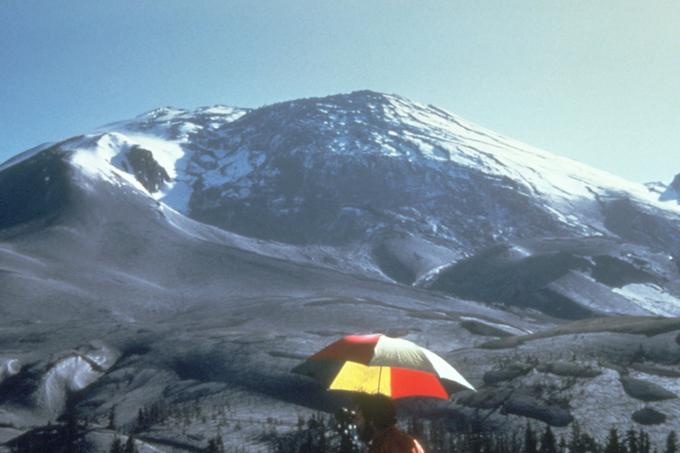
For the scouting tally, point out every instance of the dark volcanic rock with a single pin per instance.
(506, 374)
(617, 273)
(518, 403)
(645, 391)
(569, 369)
(503, 273)
(528, 406)
(145, 168)
(391, 266)
(34, 190)
(637, 224)
(486, 398)
(649, 416)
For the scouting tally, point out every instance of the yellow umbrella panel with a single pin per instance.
(389, 381)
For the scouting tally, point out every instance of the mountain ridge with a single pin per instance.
(264, 162)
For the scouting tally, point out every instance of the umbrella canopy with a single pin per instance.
(377, 363)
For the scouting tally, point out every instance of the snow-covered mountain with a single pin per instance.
(373, 184)
(350, 167)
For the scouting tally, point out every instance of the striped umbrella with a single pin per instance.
(377, 363)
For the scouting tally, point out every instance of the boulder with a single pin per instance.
(486, 398)
(528, 406)
(569, 369)
(644, 390)
(649, 416)
(506, 374)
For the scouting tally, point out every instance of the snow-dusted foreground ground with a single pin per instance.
(227, 371)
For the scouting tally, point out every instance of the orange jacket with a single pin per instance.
(392, 440)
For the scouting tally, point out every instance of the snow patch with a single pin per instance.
(178, 195)
(162, 114)
(187, 129)
(8, 368)
(652, 298)
(220, 110)
(431, 275)
(234, 167)
(75, 372)
(94, 159)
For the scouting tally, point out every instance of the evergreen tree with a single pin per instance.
(112, 418)
(321, 429)
(548, 442)
(590, 444)
(501, 445)
(643, 442)
(130, 445)
(515, 443)
(215, 445)
(530, 444)
(140, 424)
(672, 442)
(632, 441)
(575, 441)
(580, 442)
(438, 435)
(613, 444)
(562, 448)
(220, 444)
(73, 428)
(116, 446)
(415, 427)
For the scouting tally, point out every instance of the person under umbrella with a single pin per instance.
(379, 369)
(377, 425)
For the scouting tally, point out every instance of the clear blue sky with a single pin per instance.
(598, 81)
